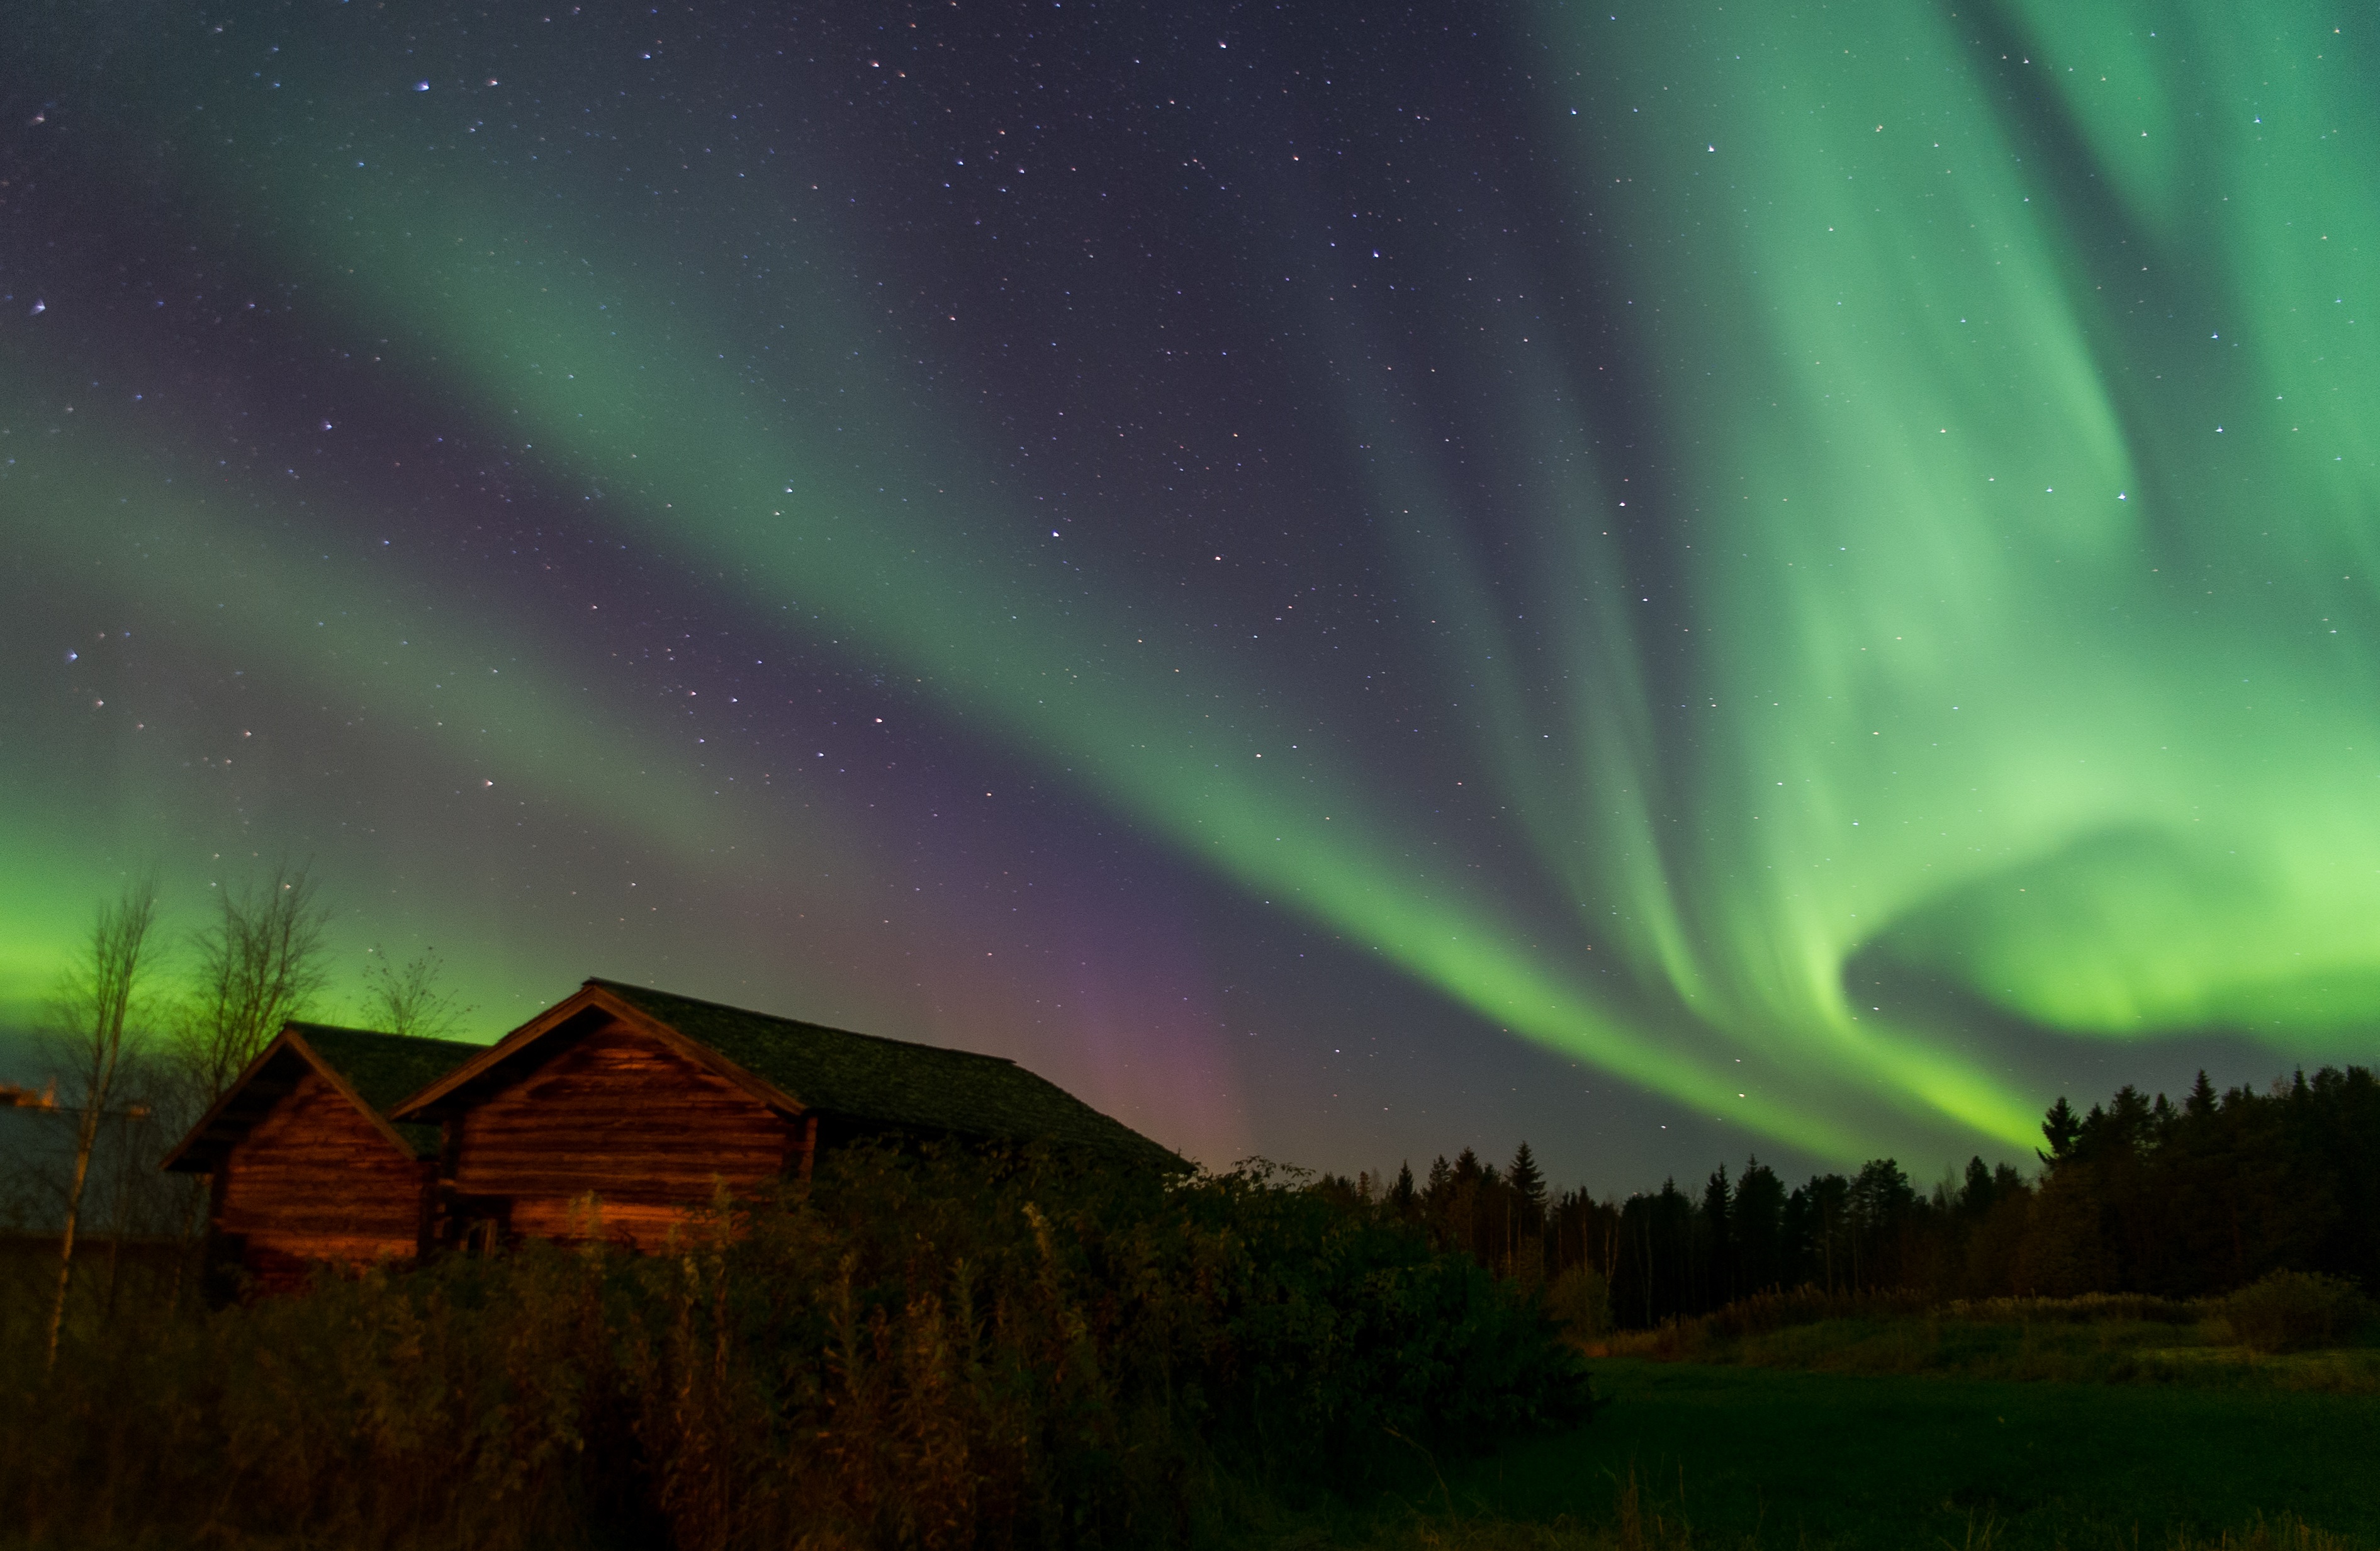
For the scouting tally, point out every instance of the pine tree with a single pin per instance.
(2200, 1102)
(1822, 1229)
(1402, 1198)
(1714, 1272)
(1756, 1228)
(1526, 1180)
(2062, 1129)
(1976, 1194)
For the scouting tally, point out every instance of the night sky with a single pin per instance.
(1670, 581)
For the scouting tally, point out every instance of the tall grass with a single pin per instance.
(922, 1351)
(2273, 1334)
(2294, 1310)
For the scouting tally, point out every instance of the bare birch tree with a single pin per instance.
(410, 1001)
(97, 1038)
(257, 965)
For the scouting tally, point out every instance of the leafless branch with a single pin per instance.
(258, 964)
(95, 1037)
(410, 1001)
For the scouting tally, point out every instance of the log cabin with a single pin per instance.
(307, 1167)
(648, 1101)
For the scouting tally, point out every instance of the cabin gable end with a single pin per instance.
(610, 1132)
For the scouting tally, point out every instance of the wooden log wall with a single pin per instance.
(623, 1117)
(315, 1181)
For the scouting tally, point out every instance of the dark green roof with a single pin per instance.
(384, 1068)
(895, 1082)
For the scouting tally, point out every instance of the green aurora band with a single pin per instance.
(2017, 380)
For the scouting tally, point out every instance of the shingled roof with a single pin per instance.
(877, 1082)
(374, 1070)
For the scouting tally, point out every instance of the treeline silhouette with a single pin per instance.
(2140, 1195)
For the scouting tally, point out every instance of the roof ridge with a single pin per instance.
(798, 1023)
(306, 1026)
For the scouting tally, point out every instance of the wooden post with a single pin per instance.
(809, 1145)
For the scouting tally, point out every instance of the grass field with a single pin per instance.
(2110, 1350)
(1728, 1456)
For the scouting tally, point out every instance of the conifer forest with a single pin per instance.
(2138, 1196)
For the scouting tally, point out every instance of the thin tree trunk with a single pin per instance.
(119, 1209)
(85, 1134)
(95, 1005)
(1648, 1267)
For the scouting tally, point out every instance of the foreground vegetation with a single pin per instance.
(922, 1351)
(1239, 1364)
(2161, 1340)
(928, 1351)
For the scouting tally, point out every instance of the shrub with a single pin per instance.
(2289, 1311)
(1580, 1302)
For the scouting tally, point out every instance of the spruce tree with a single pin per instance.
(2060, 1127)
(1976, 1195)
(1715, 1269)
(1526, 1180)
(1756, 1228)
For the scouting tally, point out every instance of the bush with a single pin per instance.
(2290, 1311)
(1580, 1302)
(930, 1352)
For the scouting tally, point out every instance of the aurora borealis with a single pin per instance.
(1660, 580)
